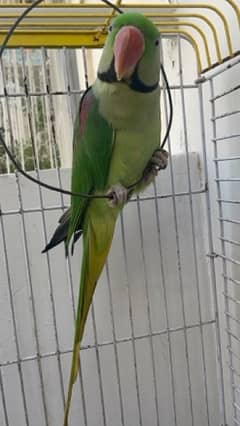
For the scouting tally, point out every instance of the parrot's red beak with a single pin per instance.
(128, 50)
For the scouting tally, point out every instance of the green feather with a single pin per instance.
(91, 158)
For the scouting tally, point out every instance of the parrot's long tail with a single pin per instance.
(97, 239)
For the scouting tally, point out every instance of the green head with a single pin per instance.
(131, 53)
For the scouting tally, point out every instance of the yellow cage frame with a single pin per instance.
(85, 24)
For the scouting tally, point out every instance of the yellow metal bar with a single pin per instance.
(56, 5)
(56, 39)
(99, 5)
(52, 25)
(187, 24)
(51, 15)
(189, 37)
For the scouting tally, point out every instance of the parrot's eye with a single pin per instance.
(157, 42)
(110, 28)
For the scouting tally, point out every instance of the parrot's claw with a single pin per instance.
(118, 195)
(159, 161)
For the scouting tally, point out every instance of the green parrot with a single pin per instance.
(115, 152)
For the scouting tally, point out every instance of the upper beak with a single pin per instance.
(128, 50)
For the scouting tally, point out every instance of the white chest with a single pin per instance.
(126, 109)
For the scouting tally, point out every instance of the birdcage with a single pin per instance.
(162, 343)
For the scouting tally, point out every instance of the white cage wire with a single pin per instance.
(155, 345)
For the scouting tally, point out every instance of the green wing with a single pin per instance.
(93, 143)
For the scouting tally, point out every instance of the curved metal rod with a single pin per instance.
(189, 6)
(191, 40)
(236, 8)
(198, 16)
(188, 24)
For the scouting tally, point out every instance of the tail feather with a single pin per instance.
(94, 258)
(61, 233)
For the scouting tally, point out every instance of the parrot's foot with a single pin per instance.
(159, 161)
(118, 195)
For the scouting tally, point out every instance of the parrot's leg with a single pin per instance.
(119, 195)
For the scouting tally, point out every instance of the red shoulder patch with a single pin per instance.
(86, 105)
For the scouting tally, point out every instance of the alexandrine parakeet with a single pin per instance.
(115, 144)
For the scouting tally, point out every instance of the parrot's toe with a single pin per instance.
(118, 195)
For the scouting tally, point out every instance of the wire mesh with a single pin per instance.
(225, 137)
(152, 342)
